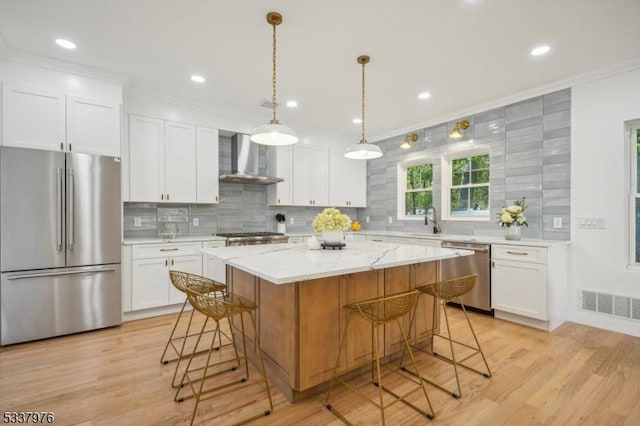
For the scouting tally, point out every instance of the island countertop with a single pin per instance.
(292, 262)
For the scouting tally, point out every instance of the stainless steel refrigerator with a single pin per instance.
(59, 243)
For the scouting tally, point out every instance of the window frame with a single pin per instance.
(634, 193)
(402, 184)
(446, 177)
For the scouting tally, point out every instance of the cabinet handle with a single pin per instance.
(167, 197)
(518, 253)
(166, 262)
(170, 249)
(216, 198)
(493, 264)
(278, 200)
(69, 147)
(162, 196)
(61, 146)
(171, 262)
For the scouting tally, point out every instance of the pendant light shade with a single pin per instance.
(363, 150)
(274, 133)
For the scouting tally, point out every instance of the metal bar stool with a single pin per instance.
(451, 291)
(218, 307)
(379, 312)
(182, 280)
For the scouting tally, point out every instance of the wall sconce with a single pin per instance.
(456, 133)
(408, 141)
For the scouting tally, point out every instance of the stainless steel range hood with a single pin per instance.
(244, 163)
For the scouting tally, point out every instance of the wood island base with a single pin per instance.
(300, 324)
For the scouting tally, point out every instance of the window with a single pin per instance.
(415, 192)
(467, 194)
(635, 194)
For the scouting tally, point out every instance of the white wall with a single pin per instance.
(600, 158)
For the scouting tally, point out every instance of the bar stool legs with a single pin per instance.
(443, 292)
(217, 308)
(379, 312)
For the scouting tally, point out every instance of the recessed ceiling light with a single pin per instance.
(65, 43)
(197, 79)
(292, 104)
(424, 95)
(540, 50)
(357, 120)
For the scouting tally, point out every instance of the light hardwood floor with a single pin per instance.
(575, 375)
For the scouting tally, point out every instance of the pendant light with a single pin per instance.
(363, 150)
(274, 133)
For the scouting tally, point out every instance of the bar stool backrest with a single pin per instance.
(186, 282)
(452, 288)
(385, 309)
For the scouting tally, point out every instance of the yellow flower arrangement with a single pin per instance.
(331, 220)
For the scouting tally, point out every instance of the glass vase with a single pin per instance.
(512, 232)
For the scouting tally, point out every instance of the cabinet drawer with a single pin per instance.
(213, 244)
(146, 251)
(519, 253)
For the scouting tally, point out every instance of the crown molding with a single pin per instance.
(53, 64)
(567, 83)
(252, 119)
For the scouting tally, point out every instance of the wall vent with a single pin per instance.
(610, 304)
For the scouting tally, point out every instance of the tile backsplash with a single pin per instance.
(529, 144)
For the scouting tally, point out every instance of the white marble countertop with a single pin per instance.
(482, 239)
(160, 240)
(291, 262)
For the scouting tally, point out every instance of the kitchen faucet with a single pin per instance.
(430, 214)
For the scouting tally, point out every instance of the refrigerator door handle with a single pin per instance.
(70, 211)
(53, 274)
(59, 197)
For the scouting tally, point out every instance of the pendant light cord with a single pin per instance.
(363, 140)
(273, 76)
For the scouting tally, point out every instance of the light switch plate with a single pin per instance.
(557, 222)
(137, 222)
(292, 221)
(390, 220)
(591, 223)
(367, 219)
(196, 221)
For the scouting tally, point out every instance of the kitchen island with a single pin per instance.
(300, 294)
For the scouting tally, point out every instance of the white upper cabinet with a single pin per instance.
(207, 173)
(180, 162)
(146, 159)
(347, 181)
(280, 164)
(33, 118)
(93, 127)
(310, 176)
(42, 119)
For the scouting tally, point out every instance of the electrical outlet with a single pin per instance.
(390, 220)
(292, 221)
(367, 219)
(196, 221)
(137, 222)
(557, 222)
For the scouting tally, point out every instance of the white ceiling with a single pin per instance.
(465, 52)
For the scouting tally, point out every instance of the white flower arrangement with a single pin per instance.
(513, 214)
(331, 220)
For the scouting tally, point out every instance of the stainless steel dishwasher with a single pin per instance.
(479, 263)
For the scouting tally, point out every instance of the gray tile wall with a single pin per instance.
(242, 207)
(530, 156)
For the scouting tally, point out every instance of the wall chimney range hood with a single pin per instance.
(244, 163)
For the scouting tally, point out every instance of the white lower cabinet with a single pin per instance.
(150, 265)
(528, 284)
